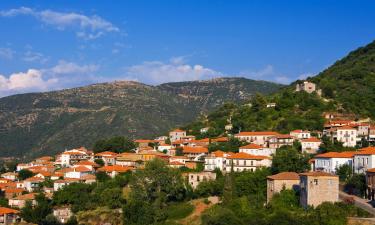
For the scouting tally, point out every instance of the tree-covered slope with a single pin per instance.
(348, 86)
(46, 123)
(351, 81)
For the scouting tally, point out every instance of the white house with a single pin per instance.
(311, 145)
(330, 161)
(300, 134)
(254, 149)
(109, 158)
(177, 134)
(78, 172)
(216, 159)
(257, 137)
(204, 130)
(347, 135)
(243, 161)
(70, 157)
(32, 183)
(364, 160)
(165, 147)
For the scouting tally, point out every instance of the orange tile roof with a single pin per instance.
(145, 141)
(29, 196)
(218, 153)
(283, 136)
(284, 176)
(4, 210)
(251, 146)
(176, 163)
(349, 154)
(88, 177)
(106, 153)
(312, 139)
(177, 130)
(32, 179)
(45, 173)
(256, 133)
(220, 139)
(372, 170)
(188, 149)
(115, 168)
(300, 131)
(86, 163)
(45, 158)
(366, 151)
(243, 155)
(81, 169)
(14, 190)
(346, 128)
(317, 174)
(178, 157)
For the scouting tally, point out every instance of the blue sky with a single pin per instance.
(61, 44)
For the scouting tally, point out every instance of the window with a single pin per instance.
(316, 181)
(329, 182)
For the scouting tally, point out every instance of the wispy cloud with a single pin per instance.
(63, 75)
(88, 27)
(157, 72)
(268, 73)
(30, 56)
(6, 53)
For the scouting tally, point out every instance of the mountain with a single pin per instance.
(351, 81)
(348, 86)
(46, 123)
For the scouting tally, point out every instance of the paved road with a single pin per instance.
(359, 202)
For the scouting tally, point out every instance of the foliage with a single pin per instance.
(179, 210)
(218, 215)
(232, 145)
(117, 144)
(24, 174)
(288, 159)
(151, 191)
(344, 172)
(356, 185)
(37, 213)
(100, 162)
(100, 215)
(102, 176)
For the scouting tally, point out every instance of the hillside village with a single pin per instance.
(49, 174)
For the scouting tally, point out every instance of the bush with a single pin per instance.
(179, 210)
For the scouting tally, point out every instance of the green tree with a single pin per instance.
(288, 159)
(117, 144)
(100, 162)
(39, 212)
(24, 174)
(344, 172)
(102, 176)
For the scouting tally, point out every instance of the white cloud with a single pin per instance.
(31, 56)
(305, 75)
(64, 67)
(89, 27)
(157, 72)
(268, 73)
(63, 75)
(6, 53)
(31, 80)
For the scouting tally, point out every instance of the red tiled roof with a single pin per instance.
(106, 153)
(366, 151)
(251, 146)
(35, 179)
(337, 155)
(188, 149)
(256, 133)
(115, 168)
(243, 155)
(284, 176)
(177, 130)
(4, 210)
(176, 163)
(312, 139)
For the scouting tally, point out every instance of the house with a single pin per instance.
(144, 143)
(128, 159)
(62, 214)
(280, 140)
(311, 145)
(114, 170)
(10, 176)
(77, 172)
(73, 156)
(181, 159)
(195, 153)
(20, 201)
(271, 105)
(88, 164)
(195, 178)
(330, 161)
(364, 159)
(109, 158)
(194, 164)
(318, 187)
(176, 164)
(216, 160)
(307, 86)
(371, 135)
(58, 184)
(44, 159)
(228, 127)
(300, 134)
(176, 135)
(254, 149)
(11, 192)
(257, 137)
(8, 216)
(347, 135)
(243, 161)
(363, 130)
(165, 147)
(32, 183)
(280, 181)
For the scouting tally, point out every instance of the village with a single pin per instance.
(182, 151)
